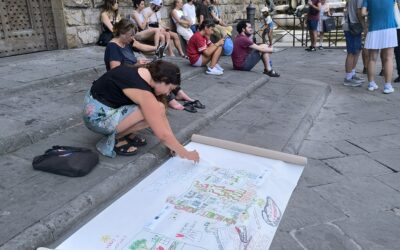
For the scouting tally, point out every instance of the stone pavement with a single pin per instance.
(347, 197)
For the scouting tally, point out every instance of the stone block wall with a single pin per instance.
(82, 17)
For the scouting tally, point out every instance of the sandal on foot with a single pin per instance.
(136, 141)
(271, 73)
(189, 108)
(185, 57)
(125, 149)
(197, 104)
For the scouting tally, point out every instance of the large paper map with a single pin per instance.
(230, 201)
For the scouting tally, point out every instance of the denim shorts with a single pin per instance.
(104, 120)
(251, 60)
(312, 24)
(353, 43)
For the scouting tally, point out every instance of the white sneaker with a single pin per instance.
(214, 71)
(372, 86)
(219, 67)
(387, 89)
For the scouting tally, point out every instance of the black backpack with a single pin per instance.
(68, 161)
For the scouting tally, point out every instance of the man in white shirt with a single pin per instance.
(189, 10)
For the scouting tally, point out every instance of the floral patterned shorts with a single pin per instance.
(104, 120)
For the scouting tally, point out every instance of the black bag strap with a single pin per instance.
(57, 150)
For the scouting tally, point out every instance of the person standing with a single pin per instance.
(312, 22)
(246, 54)
(353, 43)
(324, 13)
(381, 36)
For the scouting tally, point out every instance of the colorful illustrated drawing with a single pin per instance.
(219, 194)
(146, 240)
(271, 213)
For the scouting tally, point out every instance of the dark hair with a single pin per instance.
(136, 3)
(162, 71)
(108, 4)
(241, 25)
(174, 3)
(123, 27)
(206, 24)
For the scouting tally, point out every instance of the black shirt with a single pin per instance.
(108, 88)
(124, 55)
(205, 11)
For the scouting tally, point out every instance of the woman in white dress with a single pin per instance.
(182, 22)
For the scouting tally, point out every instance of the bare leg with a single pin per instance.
(183, 96)
(365, 58)
(177, 42)
(373, 55)
(128, 122)
(387, 62)
(175, 104)
(215, 57)
(265, 60)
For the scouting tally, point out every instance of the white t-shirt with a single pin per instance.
(155, 16)
(189, 10)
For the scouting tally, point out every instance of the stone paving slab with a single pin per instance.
(364, 194)
(325, 236)
(373, 231)
(357, 166)
(304, 209)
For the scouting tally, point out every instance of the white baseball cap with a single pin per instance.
(156, 2)
(265, 9)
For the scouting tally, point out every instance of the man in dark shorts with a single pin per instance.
(312, 22)
(353, 43)
(246, 54)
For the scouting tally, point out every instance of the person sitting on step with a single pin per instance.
(109, 17)
(146, 33)
(202, 51)
(246, 54)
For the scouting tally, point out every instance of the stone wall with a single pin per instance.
(82, 17)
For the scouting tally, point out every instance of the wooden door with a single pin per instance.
(26, 26)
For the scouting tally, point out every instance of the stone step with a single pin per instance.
(33, 115)
(47, 205)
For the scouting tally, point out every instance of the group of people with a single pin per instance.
(134, 92)
(371, 27)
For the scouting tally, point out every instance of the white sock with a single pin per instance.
(372, 83)
(349, 76)
(388, 84)
(353, 71)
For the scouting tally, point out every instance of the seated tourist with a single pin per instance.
(189, 10)
(182, 22)
(153, 12)
(109, 17)
(201, 50)
(246, 54)
(125, 100)
(120, 49)
(208, 10)
(146, 33)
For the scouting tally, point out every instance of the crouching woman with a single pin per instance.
(125, 100)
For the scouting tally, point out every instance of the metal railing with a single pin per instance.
(295, 28)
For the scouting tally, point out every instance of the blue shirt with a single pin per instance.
(115, 53)
(380, 14)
